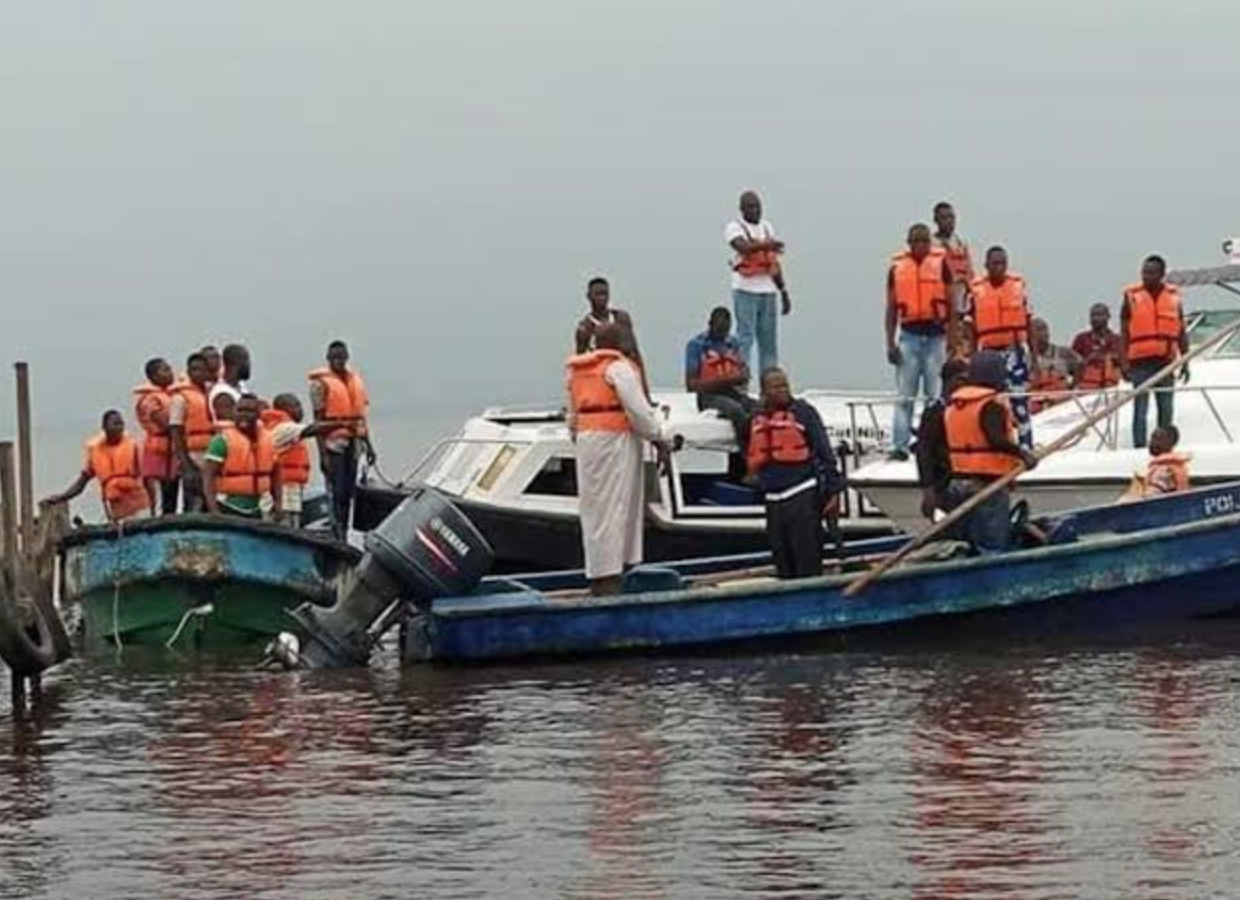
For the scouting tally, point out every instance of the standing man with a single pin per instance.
(191, 429)
(956, 250)
(610, 418)
(757, 281)
(288, 435)
(1152, 334)
(1099, 350)
(215, 363)
(1054, 367)
(232, 382)
(112, 458)
(716, 372)
(980, 431)
(1000, 308)
(919, 306)
(240, 470)
(934, 470)
(791, 457)
(152, 402)
(598, 295)
(338, 396)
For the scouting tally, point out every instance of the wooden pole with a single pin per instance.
(25, 459)
(1054, 447)
(8, 515)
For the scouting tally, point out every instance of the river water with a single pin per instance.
(923, 772)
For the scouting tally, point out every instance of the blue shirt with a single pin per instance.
(697, 347)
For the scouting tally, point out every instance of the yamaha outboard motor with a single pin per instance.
(423, 550)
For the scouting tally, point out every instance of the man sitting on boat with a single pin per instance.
(982, 445)
(791, 458)
(1167, 471)
(239, 471)
(716, 372)
(1054, 368)
(1099, 351)
(113, 459)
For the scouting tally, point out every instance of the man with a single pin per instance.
(716, 372)
(980, 432)
(610, 417)
(757, 280)
(232, 383)
(112, 458)
(288, 436)
(934, 471)
(598, 294)
(999, 304)
(191, 428)
(1099, 351)
(338, 396)
(919, 307)
(1054, 368)
(240, 472)
(791, 458)
(152, 402)
(215, 363)
(1151, 335)
(956, 251)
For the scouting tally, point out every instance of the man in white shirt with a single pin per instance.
(757, 282)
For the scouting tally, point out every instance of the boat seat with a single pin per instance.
(652, 578)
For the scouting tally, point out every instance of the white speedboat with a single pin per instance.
(512, 471)
(1098, 468)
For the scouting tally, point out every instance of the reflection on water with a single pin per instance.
(1010, 774)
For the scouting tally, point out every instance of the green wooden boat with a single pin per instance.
(195, 581)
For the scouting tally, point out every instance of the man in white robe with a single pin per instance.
(610, 478)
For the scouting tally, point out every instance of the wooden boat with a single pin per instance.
(1104, 570)
(195, 581)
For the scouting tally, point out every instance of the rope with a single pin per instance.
(202, 610)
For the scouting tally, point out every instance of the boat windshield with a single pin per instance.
(1205, 324)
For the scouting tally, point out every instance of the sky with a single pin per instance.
(435, 183)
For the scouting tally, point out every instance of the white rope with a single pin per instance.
(202, 611)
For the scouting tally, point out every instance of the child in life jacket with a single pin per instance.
(1167, 470)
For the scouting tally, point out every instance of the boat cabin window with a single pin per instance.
(1202, 326)
(557, 478)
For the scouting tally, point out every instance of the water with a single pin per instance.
(923, 773)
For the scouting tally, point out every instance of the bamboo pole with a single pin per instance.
(1052, 448)
(25, 460)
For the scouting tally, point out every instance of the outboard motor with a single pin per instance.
(425, 549)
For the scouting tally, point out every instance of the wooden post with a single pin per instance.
(25, 459)
(8, 515)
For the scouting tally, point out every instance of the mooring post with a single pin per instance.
(8, 515)
(25, 461)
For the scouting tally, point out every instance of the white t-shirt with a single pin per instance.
(756, 284)
(223, 387)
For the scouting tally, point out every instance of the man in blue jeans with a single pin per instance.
(1151, 335)
(757, 282)
(919, 318)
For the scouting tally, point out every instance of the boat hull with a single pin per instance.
(195, 581)
(1103, 586)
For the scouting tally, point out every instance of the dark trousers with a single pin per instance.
(169, 494)
(191, 493)
(794, 528)
(1164, 398)
(341, 479)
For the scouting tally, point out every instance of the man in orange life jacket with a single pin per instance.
(757, 281)
(956, 251)
(934, 470)
(191, 429)
(919, 306)
(113, 459)
(1099, 350)
(716, 372)
(791, 458)
(240, 472)
(999, 304)
(1151, 335)
(1055, 367)
(288, 437)
(338, 394)
(152, 401)
(980, 432)
(610, 419)
(1167, 472)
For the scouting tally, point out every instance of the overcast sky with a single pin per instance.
(434, 182)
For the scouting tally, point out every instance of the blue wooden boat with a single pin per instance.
(1105, 570)
(196, 580)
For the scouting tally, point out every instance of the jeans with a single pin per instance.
(756, 317)
(989, 526)
(794, 528)
(738, 409)
(1018, 384)
(1164, 397)
(921, 362)
(341, 479)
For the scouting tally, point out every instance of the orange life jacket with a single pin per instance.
(716, 364)
(596, 405)
(1167, 473)
(346, 401)
(776, 437)
(119, 471)
(294, 460)
(957, 255)
(759, 262)
(1000, 314)
(148, 400)
(1095, 376)
(199, 429)
(921, 295)
(248, 464)
(1154, 326)
(968, 448)
(1047, 381)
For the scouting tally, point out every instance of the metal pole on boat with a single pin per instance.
(25, 459)
(1064, 440)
